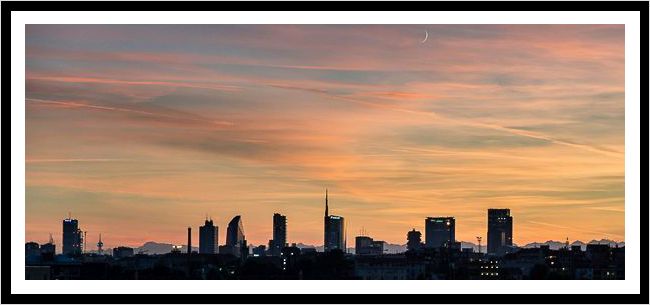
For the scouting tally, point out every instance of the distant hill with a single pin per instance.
(554, 245)
(152, 247)
(394, 248)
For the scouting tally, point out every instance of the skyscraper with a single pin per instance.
(499, 231)
(334, 230)
(439, 231)
(279, 234)
(72, 238)
(208, 238)
(235, 238)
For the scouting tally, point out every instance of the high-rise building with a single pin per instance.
(334, 230)
(364, 245)
(208, 238)
(235, 238)
(72, 237)
(499, 231)
(279, 234)
(414, 240)
(439, 231)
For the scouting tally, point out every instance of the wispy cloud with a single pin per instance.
(182, 120)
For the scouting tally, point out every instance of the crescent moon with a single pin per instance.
(426, 36)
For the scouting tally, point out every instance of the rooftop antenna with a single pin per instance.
(478, 238)
(84, 242)
(326, 205)
(51, 241)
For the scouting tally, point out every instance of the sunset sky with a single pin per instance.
(141, 130)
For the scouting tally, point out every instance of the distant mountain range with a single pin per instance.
(152, 247)
(554, 245)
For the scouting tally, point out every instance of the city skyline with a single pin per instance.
(438, 232)
(148, 128)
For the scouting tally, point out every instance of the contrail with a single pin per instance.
(73, 160)
(128, 110)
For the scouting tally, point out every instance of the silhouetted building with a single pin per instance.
(413, 240)
(235, 238)
(259, 250)
(279, 234)
(499, 231)
(208, 238)
(365, 245)
(389, 267)
(32, 249)
(72, 237)
(189, 240)
(289, 257)
(334, 230)
(122, 252)
(244, 250)
(48, 250)
(439, 231)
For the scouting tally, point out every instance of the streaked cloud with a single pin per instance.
(140, 130)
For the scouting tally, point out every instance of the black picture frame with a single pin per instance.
(53, 6)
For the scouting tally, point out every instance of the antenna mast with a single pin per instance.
(100, 244)
(85, 241)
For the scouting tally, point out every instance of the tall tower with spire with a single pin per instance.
(325, 222)
(326, 205)
(334, 229)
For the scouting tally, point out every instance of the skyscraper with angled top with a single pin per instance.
(334, 230)
(235, 239)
